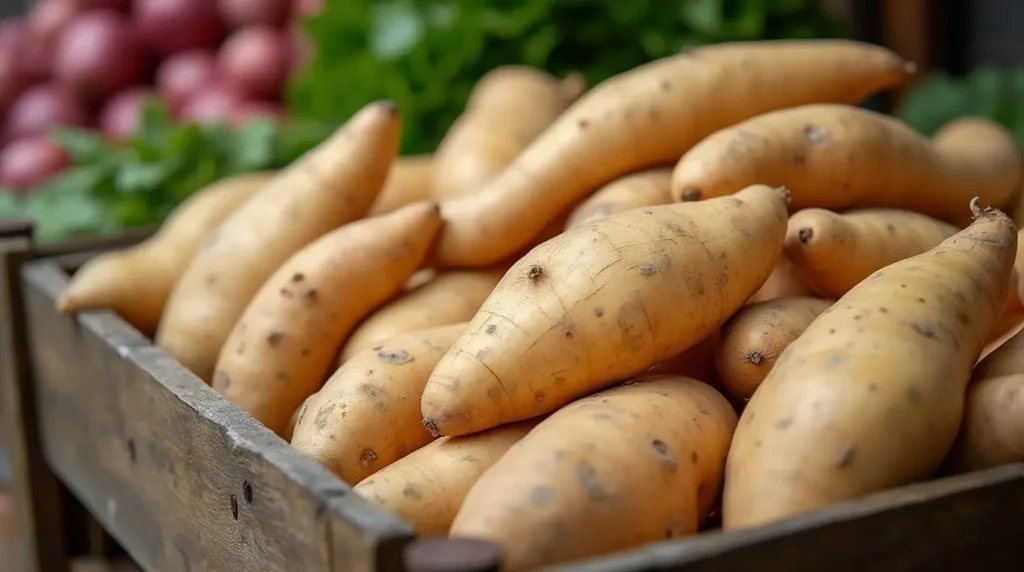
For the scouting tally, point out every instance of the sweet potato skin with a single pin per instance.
(872, 394)
(785, 281)
(648, 117)
(834, 252)
(136, 282)
(449, 298)
(840, 156)
(603, 302)
(283, 345)
(331, 185)
(426, 487)
(654, 448)
(637, 190)
(366, 416)
(752, 340)
(410, 179)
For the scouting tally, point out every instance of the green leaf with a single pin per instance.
(83, 146)
(133, 178)
(254, 146)
(704, 15)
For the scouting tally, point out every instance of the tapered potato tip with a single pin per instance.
(66, 303)
(978, 212)
(453, 555)
(785, 192)
(388, 106)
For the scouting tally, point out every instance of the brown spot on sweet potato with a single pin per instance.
(665, 86)
(757, 444)
(541, 495)
(431, 428)
(305, 352)
(755, 357)
(647, 269)
(369, 390)
(298, 277)
(694, 456)
(221, 381)
(691, 194)
(274, 339)
(568, 332)
(598, 312)
(281, 376)
(240, 350)
(883, 309)
(583, 124)
(805, 235)
(816, 135)
(534, 272)
(367, 457)
(924, 330)
(663, 454)
(602, 416)
(312, 296)
(490, 328)
(676, 527)
(494, 392)
(799, 159)
(914, 394)
(784, 423)
(287, 294)
(397, 358)
(211, 279)
(588, 478)
(381, 406)
(872, 387)
(539, 396)
(323, 415)
(412, 492)
(845, 457)
(835, 360)
(673, 228)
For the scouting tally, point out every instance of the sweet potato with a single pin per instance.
(644, 189)
(652, 451)
(136, 282)
(872, 394)
(697, 362)
(840, 156)
(785, 281)
(449, 298)
(331, 185)
(410, 180)
(509, 108)
(426, 488)
(367, 414)
(283, 345)
(834, 252)
(648, 117)
(752, 340)
(992, 432)
(602, 303)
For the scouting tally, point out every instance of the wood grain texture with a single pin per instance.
(968, 522)
(181, 477)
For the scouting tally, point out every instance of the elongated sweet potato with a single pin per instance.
(839, 156)
(602, 303)
(644, 189)
(283, 345)
(992, 432)
(136, 282)
(653, 450)
(367, 414)
(648, 117)
(508, 109)
(834, 252)
(410, 180)
(449, 298)
(426, 488)
(871, 395)
(785, 281)
(752, 340)
(331, 185)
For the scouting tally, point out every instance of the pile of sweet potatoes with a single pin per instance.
(594, 318)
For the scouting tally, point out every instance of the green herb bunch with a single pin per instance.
(426, 54)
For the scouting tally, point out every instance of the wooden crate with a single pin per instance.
(113, 444)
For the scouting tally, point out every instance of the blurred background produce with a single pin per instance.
(116, 110)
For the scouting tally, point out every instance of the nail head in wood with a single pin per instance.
(453, 555)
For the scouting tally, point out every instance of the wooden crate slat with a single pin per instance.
(967, 522)
(182, 478)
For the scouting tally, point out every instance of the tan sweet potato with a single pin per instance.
(840, 156)
(283, 345)
(426, 488)
(331, 185)
(509, 108)
(136, 282)
(603, 302)
(871, 395)
(644, 189)
(834, 252)
(752, 340)
(410, 180)
(785, 281)
(449, 298)
(992, 432)
(367, 414)
(653, 450)
(648, 117)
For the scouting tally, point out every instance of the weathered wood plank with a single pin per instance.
(36, 492)
(967, 522)
(183, 479)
